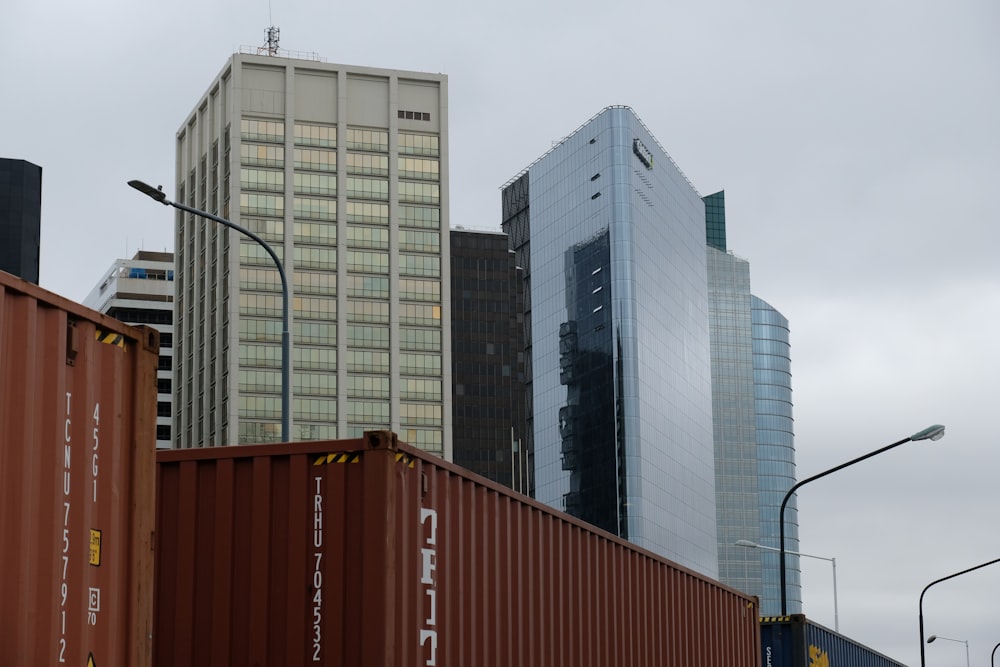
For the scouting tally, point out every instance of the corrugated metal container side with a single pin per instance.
(77, 441)
(370, 552)
(795, 641)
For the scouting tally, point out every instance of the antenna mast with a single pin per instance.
(272, 40)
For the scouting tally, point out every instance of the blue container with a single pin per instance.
(794, 641)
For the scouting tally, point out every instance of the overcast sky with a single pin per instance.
(858, 145)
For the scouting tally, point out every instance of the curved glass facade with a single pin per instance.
(616, 317)
(775, 454)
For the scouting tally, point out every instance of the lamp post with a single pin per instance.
(935, 432)
(938, 581)
(833, 562)
(993, 656)
(286, 368)
(960, 641)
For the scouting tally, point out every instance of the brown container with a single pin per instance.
(368, 552)
(77, 441)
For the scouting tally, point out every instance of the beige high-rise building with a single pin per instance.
(344, 171)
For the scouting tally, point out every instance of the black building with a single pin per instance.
(20, 218)
(487, 341)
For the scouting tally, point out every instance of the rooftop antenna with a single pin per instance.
(272, 40)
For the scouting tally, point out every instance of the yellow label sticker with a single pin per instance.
(95, 546)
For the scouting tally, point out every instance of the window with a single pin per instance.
(315, 184)
(419, 314)
(420, 339)
(254, 380)
(419, 216)
(420, 168)
(319, 233)
(418, 144)
(420, 265)
(429, 440)
(367, 411)
(256, 155)
(266, 280)
(411, 363)
(267, 229)
(367, 188)
(367, 361)
(421, 193)
(262, 130)
(260, 355)
(259, 330)
(314, 258)
(266, 407)
(260, 304)
(314, 358)
(367, 386)
(368, 212)
(304, 432)
(314, 307)
(368, 140)
(315, 159)
(262, 179)
(253, 253)
(324, 409)
(317, 333)
(367, 336)
(420, 389)
(315, 209)
(419, 241)
(367, 237)
(367, 262)
(419, 290)
(420, 414)
(314, 282)
(369, 311)
(315, 135)
(257, 204)
(374, 287)
(366, 163)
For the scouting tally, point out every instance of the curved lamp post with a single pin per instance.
(960, 641)
(938, 581)
(286, 368)
(833, 561)
(993, 655)
(935, 432)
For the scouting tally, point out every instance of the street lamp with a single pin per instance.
(938, 581)
(993, 656)
(935, 432)
(960, 641)
(833, 561)
(286, 367)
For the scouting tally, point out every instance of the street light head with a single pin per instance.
(935, 432)
(930, 640)
(746, 543)
(155, 193)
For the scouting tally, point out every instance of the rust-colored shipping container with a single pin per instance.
(77, 466)
(369, 552)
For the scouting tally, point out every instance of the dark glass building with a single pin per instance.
(487, 338)
(20, 218)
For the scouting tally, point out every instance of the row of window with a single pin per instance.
(325, 333)
(365, 212)
(326, 135)
(267, 407)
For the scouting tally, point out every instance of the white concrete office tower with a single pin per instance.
(344, 171)
(141, 291)
(612, 239)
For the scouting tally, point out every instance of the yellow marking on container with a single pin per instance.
(90, 661)
(109, 338)
(337, 457)
(95, 547)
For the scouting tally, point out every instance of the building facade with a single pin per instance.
(611, 236)
(487, 343)
(344, 171)
(752, 423)
(20, 218)
(140, 291)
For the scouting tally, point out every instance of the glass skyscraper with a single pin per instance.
(752, 420)
(611, 236)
